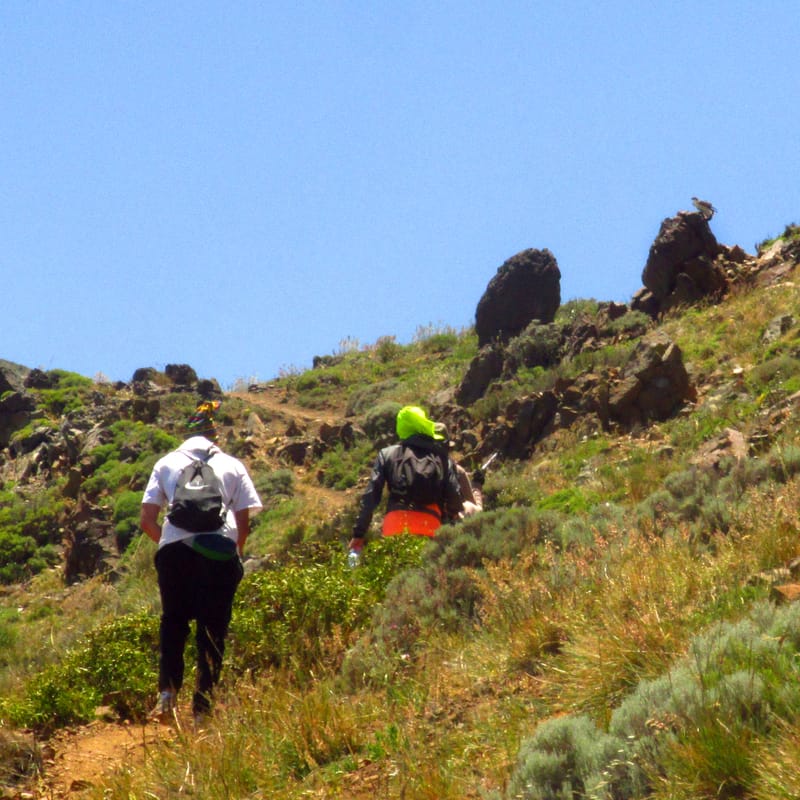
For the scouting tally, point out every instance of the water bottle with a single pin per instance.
(353, 559)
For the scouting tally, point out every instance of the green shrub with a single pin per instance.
(125, 462)
(576, 531)
(784, 462)
(289, 615)
(361, 400)
(387, 349)
(342, 467)
(433, 332)
(571, 500)
(69, 394)
(570, 757)
(17, 551)
(8, 635)
(380, 421)
(114, 475)
(538, 345)
(631, 323)
(114, 665)
(508, 488)
(576, 309)
(442, 594)
(697, 724)
(773, 373)
(739, 678)
(490, 535)
(274, 484)
(441, 342)
(30, 528)
(127, 508)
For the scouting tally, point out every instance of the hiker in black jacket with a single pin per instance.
(421, 479)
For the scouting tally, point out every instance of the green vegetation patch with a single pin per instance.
(289, 614)
(114, 665)
(70, 393)
(30, 529)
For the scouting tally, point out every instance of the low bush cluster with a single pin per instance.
(379, 422)
(68, 393)
(299, 614)
(114, 665)
(29, 532)
(708, 499)
(702, 726)
(342, 467)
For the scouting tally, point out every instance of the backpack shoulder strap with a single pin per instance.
(192, 456)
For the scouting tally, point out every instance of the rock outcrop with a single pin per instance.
(681, 267)
(525, 288)
(652, 385)
(486, 367)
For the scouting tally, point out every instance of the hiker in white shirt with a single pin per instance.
(199, 565)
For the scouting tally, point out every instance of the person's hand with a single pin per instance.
(478, 477)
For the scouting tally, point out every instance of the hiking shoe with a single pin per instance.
(200, 721)
(165, 707)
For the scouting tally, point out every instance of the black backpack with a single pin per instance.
(417, 476)
(197, 505)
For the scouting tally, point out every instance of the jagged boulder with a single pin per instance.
(39, 379)
(182, 375)
(145, 408)
(529, 419)
(16, 411)
(209, 389)
(27, 444)
(346, 433)
(482, 370)
(144, 375)
(730, 444)
(681, 267)
(527, 287)
(294, 452)
(777, 327)
(12, 376)
(652, 385)
(90, 544)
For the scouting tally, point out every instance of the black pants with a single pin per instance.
(194, 587)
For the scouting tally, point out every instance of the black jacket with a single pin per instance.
(380, 475)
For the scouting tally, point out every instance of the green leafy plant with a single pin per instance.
(342, 466)
(114, 664)
(296, 613)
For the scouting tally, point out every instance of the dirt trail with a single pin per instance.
(276, 401)
(77, 759)
(320, 500)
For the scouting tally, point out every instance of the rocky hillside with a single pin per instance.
(671, 418)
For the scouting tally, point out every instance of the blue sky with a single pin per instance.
(241, 186)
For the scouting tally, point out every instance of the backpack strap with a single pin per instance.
(209, 454)
(445, 460)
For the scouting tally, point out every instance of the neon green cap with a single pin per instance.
(411, 420)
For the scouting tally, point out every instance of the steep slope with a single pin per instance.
(610, 546)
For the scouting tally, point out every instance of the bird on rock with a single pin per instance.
(704, 207)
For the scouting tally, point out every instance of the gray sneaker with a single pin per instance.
(165, 707)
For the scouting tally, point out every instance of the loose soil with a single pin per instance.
(77, 759)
